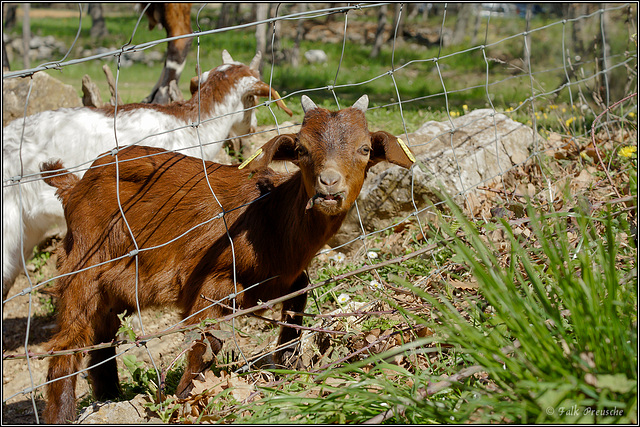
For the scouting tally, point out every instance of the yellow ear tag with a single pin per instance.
(253, 156)
(406, 150)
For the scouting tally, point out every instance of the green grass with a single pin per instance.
(421, 84)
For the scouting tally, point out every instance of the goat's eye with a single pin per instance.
(364, 150)
(301, 151)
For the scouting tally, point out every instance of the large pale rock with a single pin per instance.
(47, 93)
(479, 147)
(126, 412)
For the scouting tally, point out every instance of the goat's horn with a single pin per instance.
(263, 90)
(362, 103)
(280, 103)
(307, 104)
(226, 58)
(255, 62)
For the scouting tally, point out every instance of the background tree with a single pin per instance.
(98, 26)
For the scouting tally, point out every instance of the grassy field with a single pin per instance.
(470, 76)
(523, 313)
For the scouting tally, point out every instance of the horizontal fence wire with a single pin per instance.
(582, 74)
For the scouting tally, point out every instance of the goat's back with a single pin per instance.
(176, 221)
(160, 194)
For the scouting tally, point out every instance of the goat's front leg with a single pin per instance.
(293, 305)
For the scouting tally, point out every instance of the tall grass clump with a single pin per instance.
(564, 302)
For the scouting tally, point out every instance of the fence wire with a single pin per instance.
(581, 76)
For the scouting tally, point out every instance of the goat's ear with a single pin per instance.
(226, 57)
(193, 83)
(390, 148)
(255, 62)
(281, 147)
(307, 104)
(362, 103)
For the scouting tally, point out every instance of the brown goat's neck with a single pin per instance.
(299, 232)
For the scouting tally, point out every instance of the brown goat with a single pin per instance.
(277, 222)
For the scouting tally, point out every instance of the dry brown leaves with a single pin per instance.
(213, 396)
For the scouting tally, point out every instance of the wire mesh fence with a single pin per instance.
(502, 90)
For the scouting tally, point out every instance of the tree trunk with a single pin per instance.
(223, 18)
(578, 9)
(527, 38)
(98, 26)
(295, 52)
(262, 10)
(603, 54)
(10, 16)
(26, 35)
(382, 20)
(476, 26)
(462, 23)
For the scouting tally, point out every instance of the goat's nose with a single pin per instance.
(330, 178)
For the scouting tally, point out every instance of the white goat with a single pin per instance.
(223, 99)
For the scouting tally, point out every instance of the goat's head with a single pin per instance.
(241, 85)
(334, 150)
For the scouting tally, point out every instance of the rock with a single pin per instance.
(126, 412)
(40, 48)
(475, 152)
(316, 56)
(91, 93)
(47, 93)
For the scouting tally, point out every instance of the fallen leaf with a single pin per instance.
(471, 284)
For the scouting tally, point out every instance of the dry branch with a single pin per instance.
(112, 85)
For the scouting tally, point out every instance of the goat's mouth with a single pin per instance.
(326, 200)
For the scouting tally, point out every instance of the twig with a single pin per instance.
(353, 313)
(278, 322)
(433, 388)
(493, 190)
(595, 146)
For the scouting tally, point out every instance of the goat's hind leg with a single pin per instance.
(78, 313)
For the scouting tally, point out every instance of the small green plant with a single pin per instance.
(126, 327)
(40, 258)
(381, 323)
(144, 379)
(47, 307)
(165, 410)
